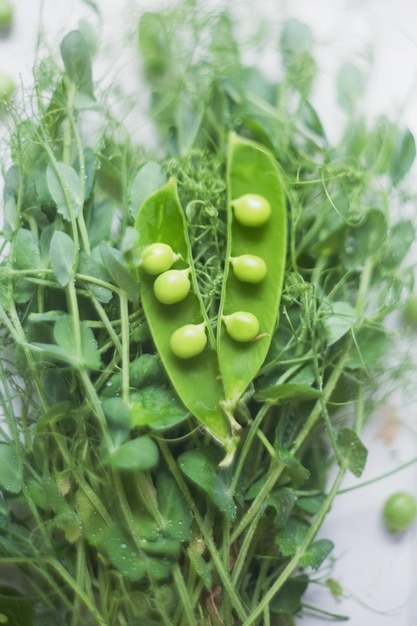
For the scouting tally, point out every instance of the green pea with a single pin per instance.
(242, 326)
(6, 14)
(189, 340)
(252, 210)
(172, 286)
(400, 511)
(158, 258)
(249, 268)
(7, 89)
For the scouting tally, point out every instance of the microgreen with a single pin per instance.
(116, 504)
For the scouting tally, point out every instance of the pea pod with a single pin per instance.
(196, 380)
(254, 183)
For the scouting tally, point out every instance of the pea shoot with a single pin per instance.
(180, 326)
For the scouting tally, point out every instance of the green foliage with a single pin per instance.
(117, 503)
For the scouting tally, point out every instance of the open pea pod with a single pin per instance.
(196, 380)
(252, 173)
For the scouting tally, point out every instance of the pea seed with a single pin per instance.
(249, 268)
(188, 340)
(158, 258)
(242, 326)
(252, 210)
(172, 286)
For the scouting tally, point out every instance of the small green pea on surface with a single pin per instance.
(6, 15)
(399, 511)
(251, 210)
(7, 89)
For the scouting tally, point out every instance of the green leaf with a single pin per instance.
(316, 553)
(339, 322)
(157, 408)
(138, 455)
(92, 266)
(352, 451)
(292, 535)
(295, 469)
(149, 178)
(122, 553)
(173, 507)
(310, 504)
(62, 255)
(296, 37)
(64, 334)
(75, 54)
(100, 221)
(282, 503)
(287, 392)
(367, 239)
(115, 266)
(403, 157)
(26, 250)
(201, 466)
(65, 188)
(350, 86)
(117, 416)
(10, 471)
(288, 600)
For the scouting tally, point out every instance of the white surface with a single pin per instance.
(376, 571)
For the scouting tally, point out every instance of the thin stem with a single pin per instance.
(67, 578)
(301, 549)
(209, 542)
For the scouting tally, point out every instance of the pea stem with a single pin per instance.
(301, 549)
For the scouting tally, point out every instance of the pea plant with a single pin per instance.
(193, 334)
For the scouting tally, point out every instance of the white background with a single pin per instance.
(377, 571)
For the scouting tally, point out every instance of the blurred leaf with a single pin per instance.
(92, 266)
(340, 322)
(65, 188)
(26, 250)
(149, 178)
(350, 86)
(115, 266)
(64, 334)
(62, 255)
(403, 157)
(75, 54)
(296, 37)
(100, 219)
(10, 471)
